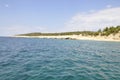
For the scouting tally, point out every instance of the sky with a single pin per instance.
(26, 16)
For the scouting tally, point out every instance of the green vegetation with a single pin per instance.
(110, 30)
(105, 32)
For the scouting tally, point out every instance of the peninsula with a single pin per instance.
(107, 34)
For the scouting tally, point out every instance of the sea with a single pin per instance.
(56, 59)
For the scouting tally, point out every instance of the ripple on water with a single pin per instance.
(51, 59)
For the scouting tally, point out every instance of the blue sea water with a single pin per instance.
(54, 59)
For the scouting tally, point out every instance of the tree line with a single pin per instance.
(102, 32)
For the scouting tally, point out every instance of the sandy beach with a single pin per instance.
(111, 37)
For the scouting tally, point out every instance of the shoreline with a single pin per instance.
(115, 38)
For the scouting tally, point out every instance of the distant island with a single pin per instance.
(107, 34)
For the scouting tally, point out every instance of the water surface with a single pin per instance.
(53, 59)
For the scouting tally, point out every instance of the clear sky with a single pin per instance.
(24, 16)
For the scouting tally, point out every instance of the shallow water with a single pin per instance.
(53, 59)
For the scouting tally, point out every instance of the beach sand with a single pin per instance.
(111, 37)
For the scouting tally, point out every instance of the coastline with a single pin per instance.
(111, 37)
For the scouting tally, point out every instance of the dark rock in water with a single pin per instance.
(70, 38)
(67, 38)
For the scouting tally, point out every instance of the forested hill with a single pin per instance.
(104, 32)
